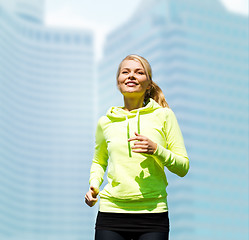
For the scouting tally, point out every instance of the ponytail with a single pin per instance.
(156, 93)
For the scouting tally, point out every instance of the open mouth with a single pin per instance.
(131, 83)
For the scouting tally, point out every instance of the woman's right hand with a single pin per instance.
(91, 196)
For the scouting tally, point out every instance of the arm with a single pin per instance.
(98, 168)
(100, 159)
(175, 157)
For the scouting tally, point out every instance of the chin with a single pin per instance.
(132, 94)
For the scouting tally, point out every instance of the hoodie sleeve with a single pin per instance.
(100, 159)
(175, 157)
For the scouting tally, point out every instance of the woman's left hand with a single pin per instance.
(143, 144)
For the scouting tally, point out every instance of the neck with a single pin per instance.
(133, 103)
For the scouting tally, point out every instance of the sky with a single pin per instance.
(102, 16)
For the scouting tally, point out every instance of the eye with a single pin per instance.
(124, 72)
(140, 72)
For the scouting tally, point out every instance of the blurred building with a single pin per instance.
(46, 126)
(199, 55)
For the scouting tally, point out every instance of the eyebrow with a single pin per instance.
(135, 68)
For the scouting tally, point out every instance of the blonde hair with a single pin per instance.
(154, 92)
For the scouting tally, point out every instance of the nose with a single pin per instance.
(131, 75)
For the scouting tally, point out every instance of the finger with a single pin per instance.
(139, 135)
(140, 150)
(87, 202)
(139, 138)
(94, 191)
(90, 202)
(90, 196)
(132, 139)
(86, 198)
(144, 143)
(93, 194)
(143, 146)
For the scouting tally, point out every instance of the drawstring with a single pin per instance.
(128, 129)
(128, 134)
(138, 122)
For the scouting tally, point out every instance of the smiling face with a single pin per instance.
(132, 79)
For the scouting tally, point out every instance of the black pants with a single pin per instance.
(113, 235)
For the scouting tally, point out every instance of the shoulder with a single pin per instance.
(166, 116)
(103, 121)
(164, 112)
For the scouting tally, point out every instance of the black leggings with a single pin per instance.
(113, 235)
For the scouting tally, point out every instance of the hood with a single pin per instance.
(118, 113)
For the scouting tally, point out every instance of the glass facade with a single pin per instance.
(46, 129)
(199, 57)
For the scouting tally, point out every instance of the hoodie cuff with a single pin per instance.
(162, 154)
(95, 183)
(177, 164)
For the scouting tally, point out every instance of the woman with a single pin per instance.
(139, 139)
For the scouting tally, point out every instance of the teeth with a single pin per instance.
(131, 84)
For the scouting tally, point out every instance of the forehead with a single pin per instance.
(131, 64)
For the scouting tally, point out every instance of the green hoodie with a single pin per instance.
(137, 181)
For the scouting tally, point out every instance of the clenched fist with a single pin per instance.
(91, 196)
